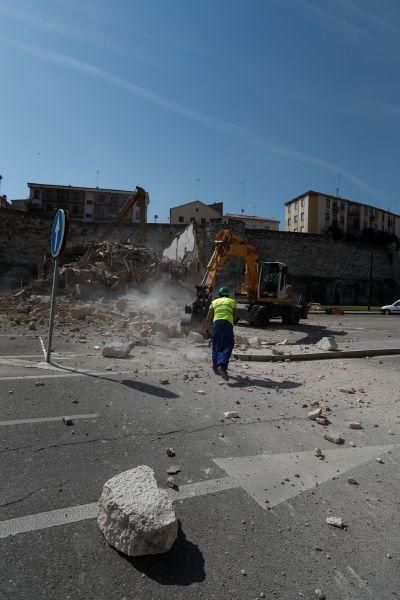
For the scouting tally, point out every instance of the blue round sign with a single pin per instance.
(58, 233)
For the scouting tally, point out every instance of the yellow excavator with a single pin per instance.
(140, 198)
(263, 295)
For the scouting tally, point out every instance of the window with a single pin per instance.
(75, 210)
(101, 198)
(302, 202)
(327, 216)
(328, 203)
(36, 194)
(342, 220)
(197, 210)
(88, 216)
(75, 196)
(295, 218)
(203, 221)
(181, 220)
(296, 205)
(302, 217)
(100, 211)
(365, 224)
(289, 221)
(89, 202)
(289, 208)
(302, 229)
(137, 214)
(342, 206)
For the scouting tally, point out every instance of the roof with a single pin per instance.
(253, 217)
(77, 187)
(332, 196)
(211, 206)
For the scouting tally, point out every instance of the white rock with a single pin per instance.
(254, 342)
(283, 343)
(231, 414)
(327, 343)
(135, 516)
(335, 521)
(195, 337)
(116, 350)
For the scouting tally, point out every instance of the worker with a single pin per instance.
(222, 314)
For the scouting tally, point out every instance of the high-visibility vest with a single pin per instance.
(223, 309)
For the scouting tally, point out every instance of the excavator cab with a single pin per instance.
(272, 280)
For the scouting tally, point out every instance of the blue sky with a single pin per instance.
(284, 95)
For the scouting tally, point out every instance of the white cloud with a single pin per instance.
(239, 133)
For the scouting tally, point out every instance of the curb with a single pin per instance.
(317, 355)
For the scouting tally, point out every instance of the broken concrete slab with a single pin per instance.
(314, 414)
(116, 350)
(135, 516)
(333, 437)
(327, 343)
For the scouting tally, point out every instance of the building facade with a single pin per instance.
(83, 204)
(195, 212)
(253, 222)
(4, 202)
(314, 212)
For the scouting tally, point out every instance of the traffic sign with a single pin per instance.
(58, 233)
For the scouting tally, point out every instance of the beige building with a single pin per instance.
(83, 203)
(314, 212)
(196, 212)
(253, 222)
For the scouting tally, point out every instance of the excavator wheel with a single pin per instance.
(259, 316)
(291, 316)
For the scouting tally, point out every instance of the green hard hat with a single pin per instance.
(224, 291)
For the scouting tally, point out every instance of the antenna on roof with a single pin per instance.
(241, 183)
(97, 179)
(338, 187)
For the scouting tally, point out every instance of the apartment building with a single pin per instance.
(315, 212)
(83, 203)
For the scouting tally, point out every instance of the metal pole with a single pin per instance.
(52, 309)
(370, 279)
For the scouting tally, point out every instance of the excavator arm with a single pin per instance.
(138, 197)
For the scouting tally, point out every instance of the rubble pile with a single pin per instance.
(111, 265)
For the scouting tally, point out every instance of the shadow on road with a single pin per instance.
(314, 333)
(182, 565)
(242, 382)
(147, 388)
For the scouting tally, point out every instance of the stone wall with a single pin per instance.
(322, 269)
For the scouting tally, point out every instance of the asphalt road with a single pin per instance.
(269, 518)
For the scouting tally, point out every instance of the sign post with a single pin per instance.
(57, 245)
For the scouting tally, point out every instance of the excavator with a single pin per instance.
(263, 295)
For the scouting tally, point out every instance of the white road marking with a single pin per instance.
(46, 419)
(253, 474)
(83, 512)
(279, 477)
(43, 346)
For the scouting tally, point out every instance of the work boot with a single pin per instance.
(222, 371)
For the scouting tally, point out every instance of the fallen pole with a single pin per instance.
(317, 355)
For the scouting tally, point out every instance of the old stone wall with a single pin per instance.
(322, 269)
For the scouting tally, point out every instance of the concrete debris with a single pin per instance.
(254, 342)
(195, 337)
(164, 381)
(352, 444)
(172, 483)
(200, 392)
(327, 343)
(347, 391)
(353, 424)
(231, 414)
(352, 481)
(170, 452)
(68, 421)
(380, 460)
(318, 452)
(322, 420)
(335, 438)
(335, 522)
(314, 414)
(283, 343)
(81, 311)
(135, 516)
(319, 594)
(173, 470)
(241, 340)
(110, 265)
(116, 350)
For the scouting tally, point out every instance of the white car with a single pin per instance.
(391, 309)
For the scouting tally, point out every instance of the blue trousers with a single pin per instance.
(222, 343)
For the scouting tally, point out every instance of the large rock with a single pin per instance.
(135, 516)
(116, 350)
(327, 343)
